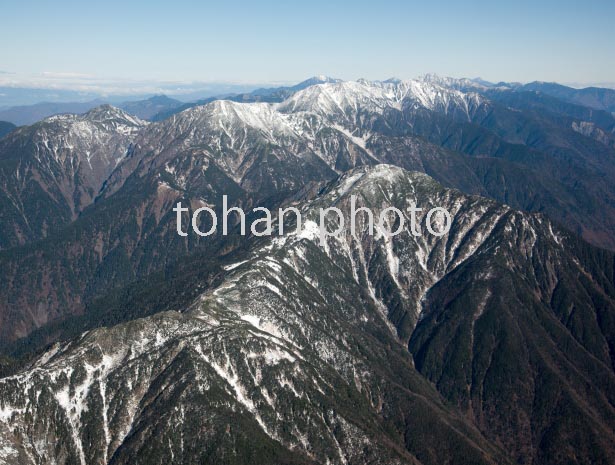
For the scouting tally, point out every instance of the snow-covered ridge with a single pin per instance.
(342, 103)
(74, 153)
(344, 99)
(376, 96)
(256, 338)
(330, 100)
(78, 136)
(102, 133)
(107, 116)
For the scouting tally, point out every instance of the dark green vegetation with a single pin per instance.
(492, 344)
(5, 128)
(51, 171)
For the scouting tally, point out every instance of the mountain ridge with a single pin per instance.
(258, 153)
(279, 311)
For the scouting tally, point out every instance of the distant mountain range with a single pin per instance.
(160, 107)
(123, 342)
(270, 95)
(147, 109)
(591, 97)
(154, 108)
(18, 90)
(30, 114)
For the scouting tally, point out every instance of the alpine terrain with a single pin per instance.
(123, 342)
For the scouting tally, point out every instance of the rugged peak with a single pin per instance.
(225, 124)
(69, 157)
(448, 82)
(444, 81)
(105, 116)
(367, 174)
(252, 343)
(315, 80)
(108, 113)
(392, 80)
(343, 101)
(223, 113)
(333, 99)
(432, 77)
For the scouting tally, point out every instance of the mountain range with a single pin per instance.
(31, 114)
(125, 343)
(156, 108)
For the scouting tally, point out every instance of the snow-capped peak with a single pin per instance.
(315, 80)
(455, 83)
(105, 113)
(345, 99)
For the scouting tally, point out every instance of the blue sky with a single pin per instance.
(266, 42)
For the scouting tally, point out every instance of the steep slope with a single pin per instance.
(587, 120)
(597, 124)
(264, 375)
(260, 153)
(306, 352)
(5, 128)
(271, 95)
(253, 153)
(500, 314)
(571, 172)
(596, 98)
(51, 171)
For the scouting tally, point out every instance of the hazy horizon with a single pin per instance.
(143, 47)
(65, 89)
